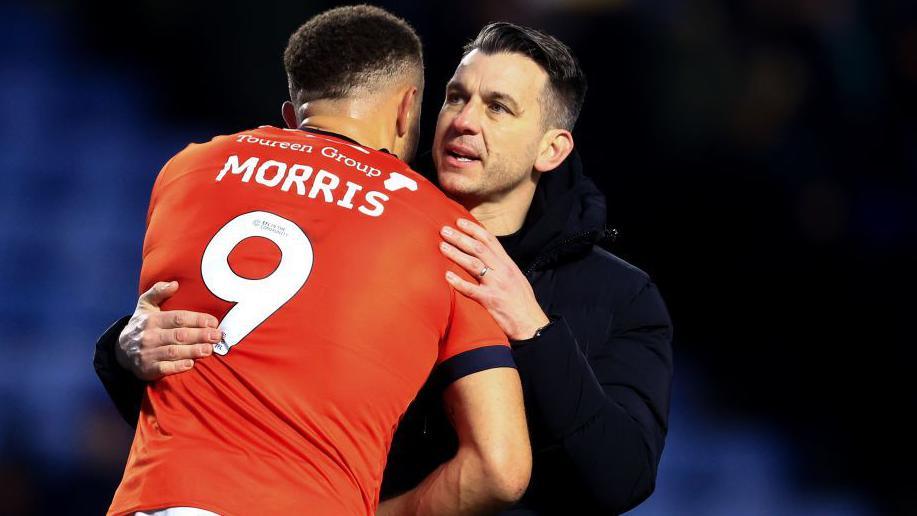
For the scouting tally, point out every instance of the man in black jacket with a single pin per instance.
(591, 334)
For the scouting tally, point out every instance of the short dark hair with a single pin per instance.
(567, 82)
(351, 48)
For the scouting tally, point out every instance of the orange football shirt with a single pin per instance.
(321, 259)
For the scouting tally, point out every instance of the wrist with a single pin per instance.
(531, 330)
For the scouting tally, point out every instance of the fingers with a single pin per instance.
(473, 265)
(156, 344)
(482, 235)
(166, 368)
(178, 353)
(184, 319)
(152, 298)
(479, 233)
(154, 363)
(462, 241)
(152, 352)
(465, 243)
(467, 288)
(186, 336)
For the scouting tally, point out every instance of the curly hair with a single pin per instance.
(349, 49)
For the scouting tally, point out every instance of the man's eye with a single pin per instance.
(453, 98)
(496, 107)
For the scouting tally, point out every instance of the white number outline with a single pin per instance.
(256, 300)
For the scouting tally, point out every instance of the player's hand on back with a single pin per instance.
(156, 343)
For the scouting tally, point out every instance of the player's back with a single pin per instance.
(320, 257)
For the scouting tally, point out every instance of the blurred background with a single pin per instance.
(759, 159)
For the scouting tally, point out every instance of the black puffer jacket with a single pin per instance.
(596, 382)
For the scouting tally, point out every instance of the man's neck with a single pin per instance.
(504, 216)
(355, 129)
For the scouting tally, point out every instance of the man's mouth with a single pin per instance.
(461, 155)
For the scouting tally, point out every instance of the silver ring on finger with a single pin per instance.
(484, 271)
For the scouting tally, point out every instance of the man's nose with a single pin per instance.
(468, 121)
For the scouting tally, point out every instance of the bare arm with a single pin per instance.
(491, 469)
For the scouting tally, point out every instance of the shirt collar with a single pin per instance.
(341, 136)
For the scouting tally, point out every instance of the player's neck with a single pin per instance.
(504, 215)
(365, 132)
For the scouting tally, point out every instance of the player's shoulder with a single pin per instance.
(424, 200)
(260, 140)
(433, 205)
(262, 135)
(450, 210)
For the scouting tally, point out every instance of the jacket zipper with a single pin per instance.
(607, 233)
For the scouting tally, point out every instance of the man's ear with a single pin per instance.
(403, 123)
(555, 146)
(289, 115)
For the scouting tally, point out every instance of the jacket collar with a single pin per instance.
(566, 219)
